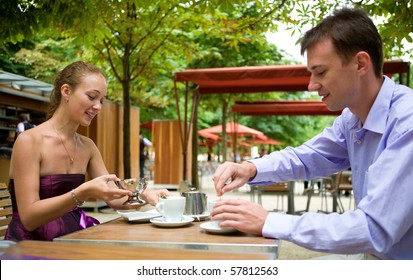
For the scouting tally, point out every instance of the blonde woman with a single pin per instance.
(49, 163)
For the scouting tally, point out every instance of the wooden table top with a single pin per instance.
(78, 251)
(119, 232)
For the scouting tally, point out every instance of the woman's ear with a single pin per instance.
(65, 90)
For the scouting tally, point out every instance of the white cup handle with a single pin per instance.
(159, 207)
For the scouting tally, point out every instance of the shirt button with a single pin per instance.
(358, 142)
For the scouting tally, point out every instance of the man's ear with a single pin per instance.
(363, 62)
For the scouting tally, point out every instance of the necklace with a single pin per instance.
(72, 160)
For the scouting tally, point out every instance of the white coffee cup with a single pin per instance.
(172, 208)
(210, 204)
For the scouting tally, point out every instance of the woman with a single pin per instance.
(47, 208)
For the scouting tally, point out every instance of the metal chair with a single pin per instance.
(344, 184)
(322, 182)
(5, 209)
(279, 189)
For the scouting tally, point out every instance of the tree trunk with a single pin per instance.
(126, 131)
(126, 113)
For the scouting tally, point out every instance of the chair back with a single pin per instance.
(344, 181)
(276, 187)
(5, 209)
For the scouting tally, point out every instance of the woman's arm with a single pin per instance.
(97, 168)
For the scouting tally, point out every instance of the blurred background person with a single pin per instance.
(144, 143)
(24, 124)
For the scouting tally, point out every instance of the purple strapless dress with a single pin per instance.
(51, 186)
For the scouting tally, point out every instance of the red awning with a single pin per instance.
(263, 78)
(247, 79)
(283, 107)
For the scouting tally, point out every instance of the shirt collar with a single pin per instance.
(377, 117)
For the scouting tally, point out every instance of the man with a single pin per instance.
(373, 136)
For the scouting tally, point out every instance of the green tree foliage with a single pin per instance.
(46, 56)
(7, 51)
(24, 19)
(393, 19)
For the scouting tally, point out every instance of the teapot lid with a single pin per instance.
(192, 190)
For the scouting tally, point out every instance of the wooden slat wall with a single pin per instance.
(168, 153)
(107, 138)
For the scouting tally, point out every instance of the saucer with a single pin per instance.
(161, 223)
(200, 217)
(212, 227)
(137, 216)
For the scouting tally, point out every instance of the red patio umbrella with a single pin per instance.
(209, 135)
(264, 141)
(234, 128)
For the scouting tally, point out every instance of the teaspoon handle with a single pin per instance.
(118, 185)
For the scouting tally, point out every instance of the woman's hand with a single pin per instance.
(101, 188)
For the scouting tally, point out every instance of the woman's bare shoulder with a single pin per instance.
(86, 140)
(31, 136)
(88, 144)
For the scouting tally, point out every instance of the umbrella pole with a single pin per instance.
(194, 126)
(224, 131)
(234, 136)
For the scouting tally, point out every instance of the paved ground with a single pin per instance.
(270, 201)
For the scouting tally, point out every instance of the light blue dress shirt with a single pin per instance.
(380, 154)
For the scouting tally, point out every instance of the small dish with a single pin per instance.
(213, 227)
(200, 217)
(161, 223)
(126, 211)
(137, 216)
(4, 245)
